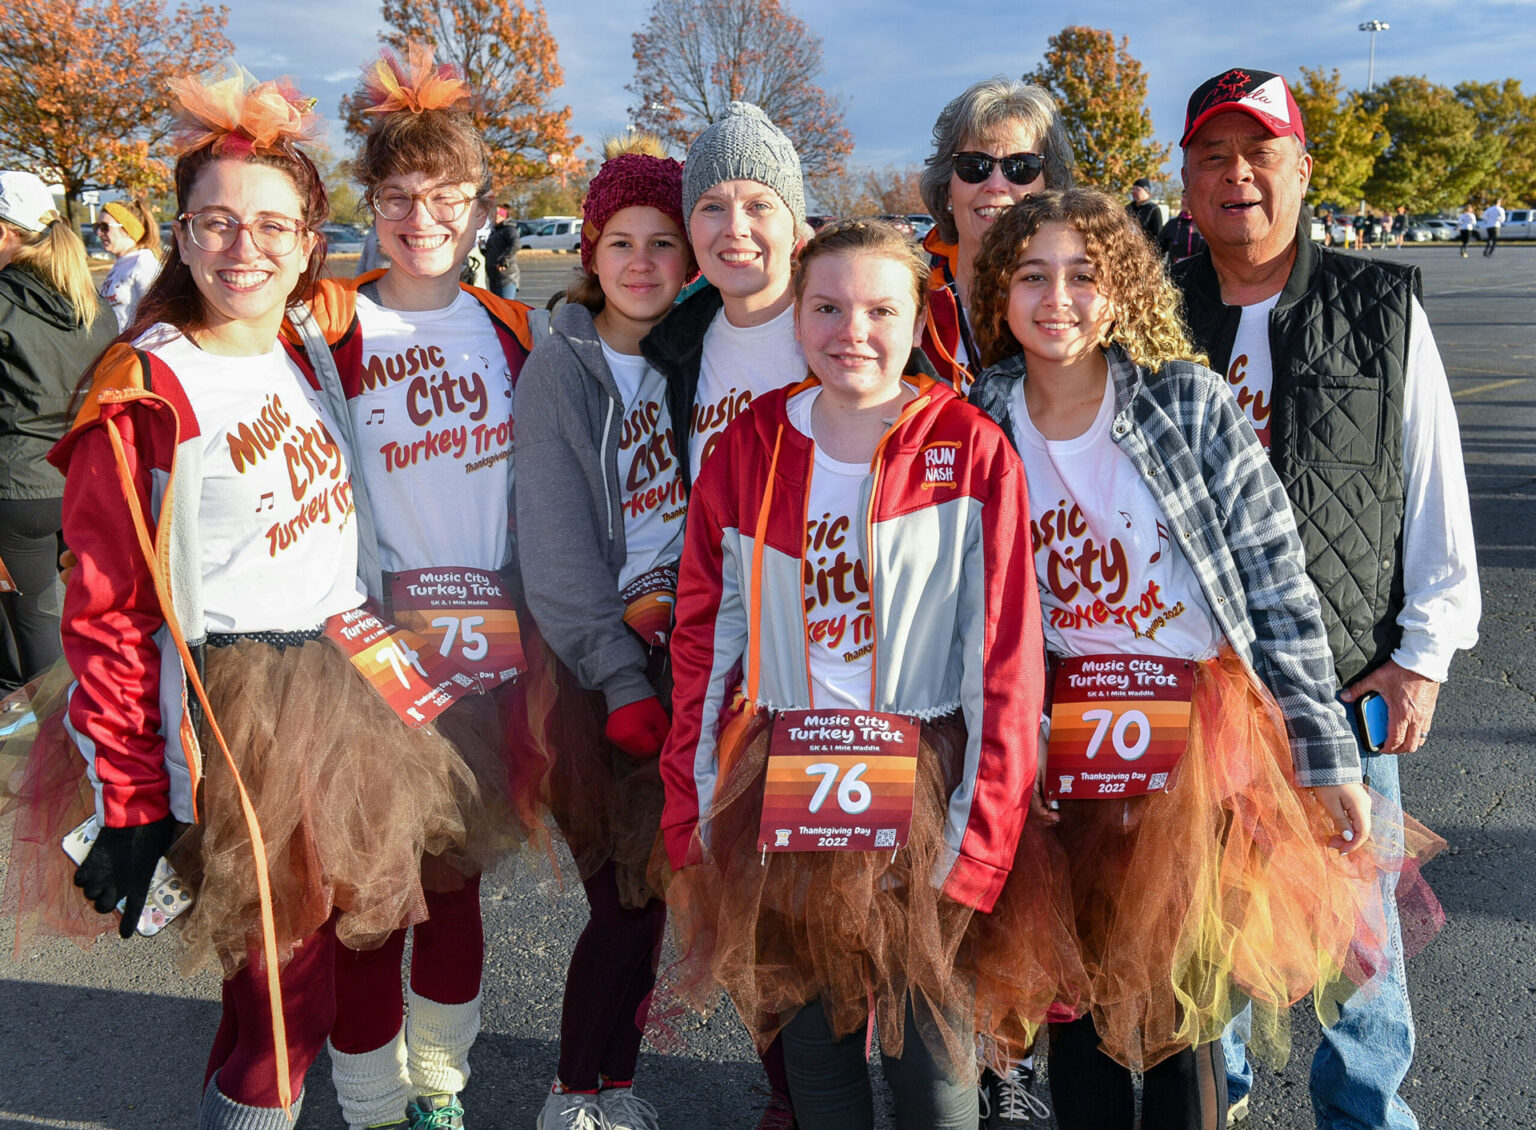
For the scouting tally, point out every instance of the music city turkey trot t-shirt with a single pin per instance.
(1251, 372)
(434, 425)
(838, 621)
(279, 546)
(738, 364)
(650, 479)
(1112, 578)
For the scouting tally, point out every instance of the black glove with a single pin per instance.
(120, 866)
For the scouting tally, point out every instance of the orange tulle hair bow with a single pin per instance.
(417, 84)
(227, 108)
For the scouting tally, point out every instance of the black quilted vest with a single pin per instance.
(1338, 338)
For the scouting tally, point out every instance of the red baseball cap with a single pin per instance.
(1262, 95)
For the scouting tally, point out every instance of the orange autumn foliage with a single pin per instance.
(83, 94)
(511, 62)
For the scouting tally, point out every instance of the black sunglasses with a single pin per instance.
(1018, 168)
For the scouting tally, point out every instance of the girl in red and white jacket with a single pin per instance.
(853, 560)
(208, 500)
(427, 368)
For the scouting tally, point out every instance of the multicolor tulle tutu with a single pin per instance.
(862, 931)
(1191, 903)
(350, 800)
(606, 803)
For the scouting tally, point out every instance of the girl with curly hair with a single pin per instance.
(1210, 796)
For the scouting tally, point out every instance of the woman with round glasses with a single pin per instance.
(212, 623)
(999, 141)
(128, 231)
(428, 367)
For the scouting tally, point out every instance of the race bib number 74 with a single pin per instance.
(1119, 724)
(839, 780)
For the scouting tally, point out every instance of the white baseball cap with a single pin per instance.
(25, 200)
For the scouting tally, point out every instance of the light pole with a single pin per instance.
(1373, 26)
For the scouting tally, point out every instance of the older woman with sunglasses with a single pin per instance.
(995, 144)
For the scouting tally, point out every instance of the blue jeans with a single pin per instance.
(1363, 1059)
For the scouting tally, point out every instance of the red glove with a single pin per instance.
(640, 728)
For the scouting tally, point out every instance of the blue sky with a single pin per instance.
(897, 62)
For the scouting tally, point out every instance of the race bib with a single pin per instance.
(649, 600)
(465, 614)
(414, 679)
(839, 780)
(6, 584)
(1119, 724)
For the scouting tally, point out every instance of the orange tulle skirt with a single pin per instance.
(354, 808)
(606, 803)
(1221, 891)
(862, 931)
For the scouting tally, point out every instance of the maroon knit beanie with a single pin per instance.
(627, 179)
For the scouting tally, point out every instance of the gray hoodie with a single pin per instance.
(570, 528)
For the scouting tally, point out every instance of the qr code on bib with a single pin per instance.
(885, 837)
(1157, 781)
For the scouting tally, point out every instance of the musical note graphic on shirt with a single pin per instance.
(374, 417)
(266, 502)
(1126, 516)
(1162, 536)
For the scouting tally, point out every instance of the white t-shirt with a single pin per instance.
(650, 477)
(1493, 216)
(1466, 221)
(739, 363)
(279, 544)
(839, 625)
(1111, 578)
(1442, 598)
(1251, 372)
(434, 434)
(127, 281)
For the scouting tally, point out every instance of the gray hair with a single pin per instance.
(980, 111)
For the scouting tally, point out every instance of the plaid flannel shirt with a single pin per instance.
(1184, 432)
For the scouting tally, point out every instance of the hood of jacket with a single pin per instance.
(573, 326)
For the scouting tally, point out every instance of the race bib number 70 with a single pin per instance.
(1119, 724)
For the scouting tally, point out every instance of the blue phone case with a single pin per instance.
(1371, 711)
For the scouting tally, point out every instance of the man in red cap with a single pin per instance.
(1332, 358)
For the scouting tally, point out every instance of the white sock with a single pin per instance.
(372, 1087)
(438, 1038)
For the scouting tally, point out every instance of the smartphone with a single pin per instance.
(168, 895)
(1371, 719)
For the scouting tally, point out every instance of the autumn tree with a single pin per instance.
(1343, 136)
(83, 95)
(694, 57)
(895, 189)
(1434, 159)
(1102, 94)
(510, 60)
(1506, 124)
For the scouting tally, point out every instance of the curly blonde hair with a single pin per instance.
(1149, 321)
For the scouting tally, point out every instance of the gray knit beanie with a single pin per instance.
(742, 144)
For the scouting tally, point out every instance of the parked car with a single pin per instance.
(1417, 232)
(922, 224)
(1439, 229)
(818, 222)
(551, 233)
(1318, 232)
(901, 224)
(343, 239)
(1519, 223)
(1343, 231)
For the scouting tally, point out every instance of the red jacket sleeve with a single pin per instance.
(111, 614)
(1012, 681)
(706, 607)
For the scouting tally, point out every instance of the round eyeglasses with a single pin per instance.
(219, 231)
(443, 204)
(1018, 168)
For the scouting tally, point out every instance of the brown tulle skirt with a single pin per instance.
(350, 801)
(1191, 903)
(606, 803)
(861, 931)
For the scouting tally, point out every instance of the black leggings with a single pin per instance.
(29, 546)
(1187, 1091)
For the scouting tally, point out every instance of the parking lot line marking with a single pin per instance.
(1487, 387)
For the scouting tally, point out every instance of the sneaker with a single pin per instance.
(626, 1110)
(1238, 1111)
(435, 1112)
(1011, 1101)
(780, 1114)
(571, 1110)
